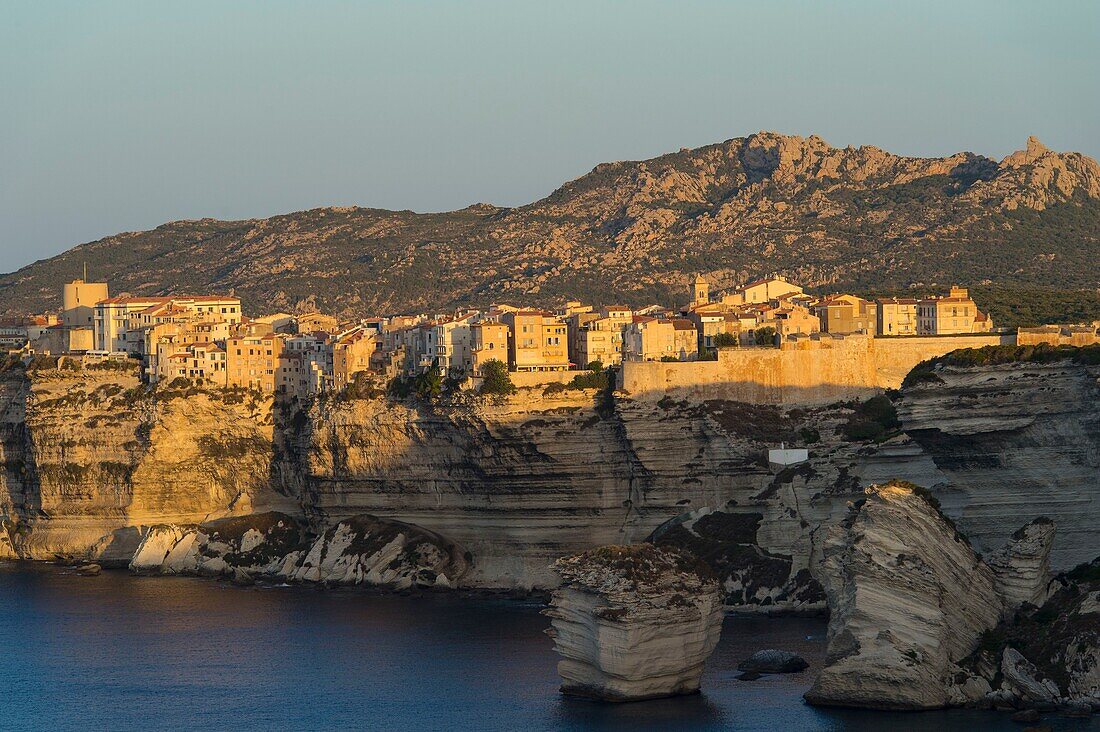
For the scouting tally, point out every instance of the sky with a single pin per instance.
(119, 116)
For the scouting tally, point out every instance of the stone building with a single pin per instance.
(951, 315)
(537, 341)
(842, 314)
(252, 361)
(488, 342)
(897, 316)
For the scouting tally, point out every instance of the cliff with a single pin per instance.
(90, 455)
(767, 202)
(521, 482)
(634, 622)
(910, 599)
(1009, 441)
(92, 461)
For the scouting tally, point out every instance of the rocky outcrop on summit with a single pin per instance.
(909, 599)
(633, 622)
(820, 215)
(1010, 441)
(362, 550)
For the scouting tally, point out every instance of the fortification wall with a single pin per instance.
(801, 372)
(523, 379)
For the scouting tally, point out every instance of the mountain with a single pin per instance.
(634, 231)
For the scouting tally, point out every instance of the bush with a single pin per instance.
(362, 387)
(595, 365)
(872, 420)
(724, 340)
(429, 384)
(765, 336)
(497, 380)
(591, 380)
(809, 435)
(670, 359)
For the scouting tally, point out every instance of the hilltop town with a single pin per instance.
(208, 339)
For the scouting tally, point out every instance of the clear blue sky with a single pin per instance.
(118, 116)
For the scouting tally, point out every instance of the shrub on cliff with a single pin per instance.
(995, 355)
(874, 419)
(497, 381)
(591, 380)
(362, 386)
(429, 384)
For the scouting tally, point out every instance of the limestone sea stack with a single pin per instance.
(634, 622)
(910, 598)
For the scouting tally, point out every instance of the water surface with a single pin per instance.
(120, 652)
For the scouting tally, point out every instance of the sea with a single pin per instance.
(119, 652)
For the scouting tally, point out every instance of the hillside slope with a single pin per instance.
(636, 231)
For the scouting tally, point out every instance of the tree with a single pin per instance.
(430, 383)
(497, 380)
(724, 340)
(596, 365)
(765, 336)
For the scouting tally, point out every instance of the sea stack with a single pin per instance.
(634, 622)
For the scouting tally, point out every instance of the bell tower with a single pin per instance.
(700, 291)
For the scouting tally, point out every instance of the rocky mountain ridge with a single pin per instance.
(637, 231)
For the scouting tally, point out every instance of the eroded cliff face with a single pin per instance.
(92, 460)
(634, 622)
(91, 457)
(910, 599)
(1008, 442)
(523, 481)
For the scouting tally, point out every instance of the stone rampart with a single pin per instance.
(816, 370)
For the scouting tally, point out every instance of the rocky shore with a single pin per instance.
(363, 550)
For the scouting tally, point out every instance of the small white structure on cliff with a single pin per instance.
(784, 457)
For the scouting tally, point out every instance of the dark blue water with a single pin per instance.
(118, 652)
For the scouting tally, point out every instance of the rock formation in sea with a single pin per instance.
(361, 550)
(634, 622)
(910, 598)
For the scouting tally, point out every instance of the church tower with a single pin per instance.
(700, 291)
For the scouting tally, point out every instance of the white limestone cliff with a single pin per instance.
(633, 622)
(910, 599)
